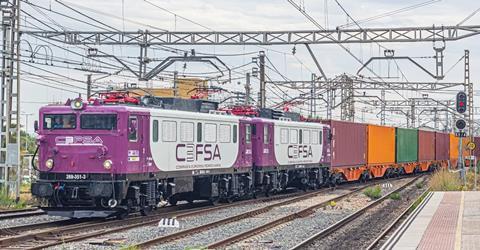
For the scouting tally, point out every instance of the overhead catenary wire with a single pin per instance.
(390, 13)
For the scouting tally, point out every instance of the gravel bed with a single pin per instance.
(288, 235)
(359, 233)
(140, 234)
(29, 220)
(302, 228)
(137, 235)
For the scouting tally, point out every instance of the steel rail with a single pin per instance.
(302, 213)
(248, 214)
(404, 226)
(60, 235)
(334, 227)
(11, 214)
(392, 225)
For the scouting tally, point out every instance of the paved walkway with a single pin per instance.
(450, 220)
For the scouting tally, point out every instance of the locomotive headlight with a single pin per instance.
(107, 164)
(49, 163)
(76, 104)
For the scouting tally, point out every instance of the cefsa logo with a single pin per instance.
(196, 152)
(299, 151)
(78, 140)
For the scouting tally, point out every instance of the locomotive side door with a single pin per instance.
(136, 142)
(245, 138)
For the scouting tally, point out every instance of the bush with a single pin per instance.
(7, 202)
(419, 185)
(444, 180)
(395, 196)
(471, 180)
(373, 192)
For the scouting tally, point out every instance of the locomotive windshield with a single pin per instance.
(59, 121)
(98, 121)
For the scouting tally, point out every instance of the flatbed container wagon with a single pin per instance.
(406, 149)
(426, 149)
(380, 150)
(442, 147)
(476, 151)
(453, 142)
(348, 149)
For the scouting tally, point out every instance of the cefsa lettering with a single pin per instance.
(196, 152)
(299, 151)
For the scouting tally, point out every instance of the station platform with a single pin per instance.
(448, 220)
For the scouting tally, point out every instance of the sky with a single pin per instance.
(246, 15)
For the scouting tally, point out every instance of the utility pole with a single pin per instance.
(435, 118)
(469, 87)
(175, 85)
(382, 112)
(412, 113)
(247, 90)
(313, 100)
(10, 97)
(89, 86)
(262, 101)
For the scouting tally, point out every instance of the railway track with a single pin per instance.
(309, 243)
(60, 232)
(22, 229)
(194, 230)
(401, 224)
(27, 212)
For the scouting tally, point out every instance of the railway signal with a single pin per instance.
(460, 124)
(461, 102)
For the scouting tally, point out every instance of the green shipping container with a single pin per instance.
(406, 145)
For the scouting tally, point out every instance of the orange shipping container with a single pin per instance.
(381, 145)
(453, 147)
(465, 141)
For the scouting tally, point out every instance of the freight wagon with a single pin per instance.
(362, 152)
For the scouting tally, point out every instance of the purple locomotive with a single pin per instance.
(100, 160)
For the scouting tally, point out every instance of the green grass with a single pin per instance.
(395, 196)
(419, 185)
(444, 180)
(417, 202)
(7, 202)
(373, 192)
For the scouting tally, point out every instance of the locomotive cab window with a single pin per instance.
(59, 121)
(98, 121)
(132, 128)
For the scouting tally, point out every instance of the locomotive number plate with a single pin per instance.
(76, 176)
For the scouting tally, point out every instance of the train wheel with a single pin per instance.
(213, 201)
(172, 200)
(122, 214)
(146, 210)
